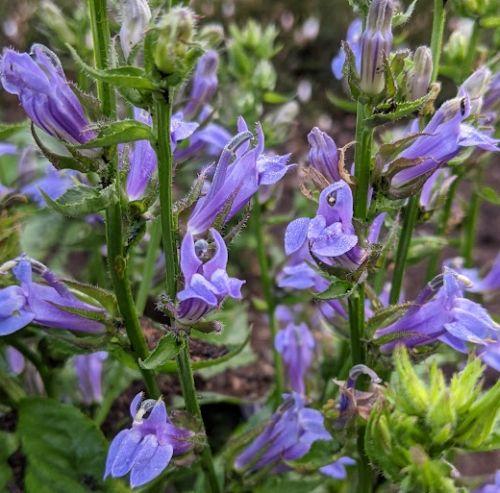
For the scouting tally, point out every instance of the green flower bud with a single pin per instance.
(421, 73)
(211, 35)
(265, 76)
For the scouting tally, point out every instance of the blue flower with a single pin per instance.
(146, 448)
(88, 369)
(336, 470)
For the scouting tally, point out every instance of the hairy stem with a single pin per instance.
(267, 289)
(161, 121)
(117, 257)
(438, 21)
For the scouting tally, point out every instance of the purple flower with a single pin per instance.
(296, 345)
(53, 183)
(376, 43)
(204, 84)
(45, 94)
(234, 183)
(323, 155)
(336, 470)
(330, 235)
(440, 141)
(88, 369)
(492, 487)
(206, 282)
(490, 355)
(441, 313)
(288, 436)
(15, 360)
(354, 32)
(484, 285)
(42, 304)
(301, 276)
(146, 448)
(143, 157)
(435, 187)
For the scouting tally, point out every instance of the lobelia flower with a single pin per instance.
(376, 43)
(296, 345)
(337, 470)
(142, 156)
(441, 313)
(146, 448)
(441, 140)
(204, 84)
(15, 360)
(288, 436)
(136, 15)
(353, 38)
(234, 183)
(330, 235)
(206, 282)
(479, 284)
(300, 276)
(88, 369)
(435, 188)
(39, 82)
(323, 155)
(475, 87)
(42, 304)
(491, 487)
(421, 73)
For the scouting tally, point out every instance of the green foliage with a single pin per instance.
(119, 132)
(412, 434)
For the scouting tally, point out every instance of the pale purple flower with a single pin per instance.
(323, 154)
(330, 235)
(479, 284)
(435, 187)
(239, 173)
(300, 276)
(88, 369)
(353, 38)
(490, 355)
(337, 470)
(39, 82)
(206, 282)
(296, 345)
(441, 140)
(42, 304)
(142, 156)
(441, 313)
(136, 15)
(204, 84)
(15, 360)
(491, 487)
(145, 449)
(288, 436)
(491, 99)
(475, 87)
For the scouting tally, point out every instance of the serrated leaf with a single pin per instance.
(64, 449)
(126, 76)
(165, 351)
(401, 18)
(119, 132)
(9, 129)
(81, 200)
(337, 289)
(398, 110)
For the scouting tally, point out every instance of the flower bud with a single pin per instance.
(475, 87)
(136, 15)
(176, 31)
(211, 35)
(265, 76)
(376, 42)
(420, 75)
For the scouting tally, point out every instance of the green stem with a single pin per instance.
(149, 267)
(36, 361)
(471, 49)
(468, 237)
(356, 322)
(117, 258)
(161, 124)
(438, 21)
(410, 215)
(267, 289)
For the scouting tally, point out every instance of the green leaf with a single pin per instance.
(279, 484)
(343, 104)
(9, 129)
(103, 296)
(275, 98)
(490, 195)
(126, 76)
(397, 110)
(8, 445)
(64, 449)
(166, 350)
(337, 289)
(349, 71)
(401, 18)
(119, 132)
(81, 200)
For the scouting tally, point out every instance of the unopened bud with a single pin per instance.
(376, 43)
(212, 35)
(176, 31)
(420, 76)
(475, 87)
(136, 15)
